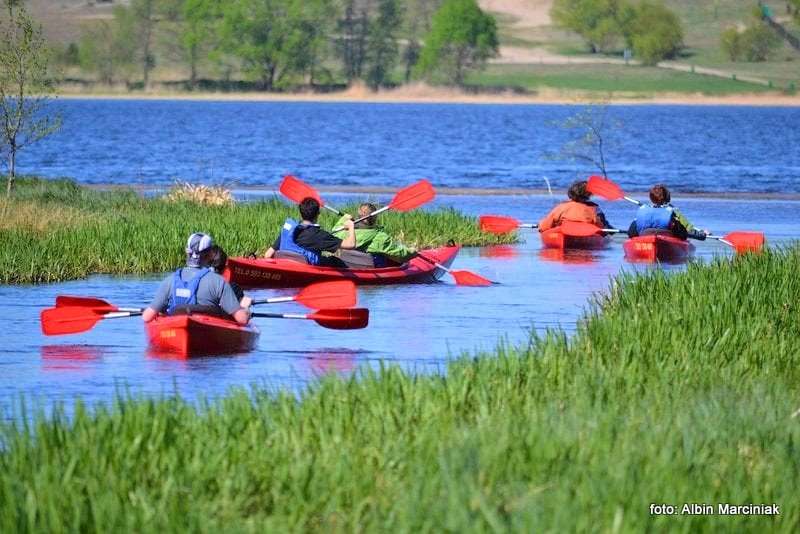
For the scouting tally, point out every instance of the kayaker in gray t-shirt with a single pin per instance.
(209, 290)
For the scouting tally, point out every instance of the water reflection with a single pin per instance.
(573, 256)
(333, 360)
(499, 252)
(70, 357)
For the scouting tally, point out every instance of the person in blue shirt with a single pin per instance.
(196, 286)
(662, 217)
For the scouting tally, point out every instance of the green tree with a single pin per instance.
(417, 16)
(382, 46)
(731, 41)
(758, 41)
(100, 51)
(654, 32)
(462, 37)
(351, 43)
(197, 24)
(136, 26)
(25, 86)
(599, 22)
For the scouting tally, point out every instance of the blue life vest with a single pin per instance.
(287, 242)
(184, 293)
(653, 217)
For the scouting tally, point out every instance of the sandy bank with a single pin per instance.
(423, 94)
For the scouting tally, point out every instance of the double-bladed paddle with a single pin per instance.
(500, 224)
(741, 241)
(74, 314)
(347, 319)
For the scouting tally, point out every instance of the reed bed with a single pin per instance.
(674, 389)
(63, 231)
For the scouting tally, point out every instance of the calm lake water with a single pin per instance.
(417, 327)
(692, 148)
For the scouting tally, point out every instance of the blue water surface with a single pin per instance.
(253, 144)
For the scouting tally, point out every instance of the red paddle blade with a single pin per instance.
(63, 301)
(329, 295)
(413, 196)
(350, 319)
(68, 320)
(603, 187)
(746, 241)
(497, 224)
(296, 190)
(467, 278)
(579, 229)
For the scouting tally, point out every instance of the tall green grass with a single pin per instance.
(674, 389)
(121, 232)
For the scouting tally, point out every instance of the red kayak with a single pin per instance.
(257, 273)
(196, 335)
(659, 247)
(560, 238)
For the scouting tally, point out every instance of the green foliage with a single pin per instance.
(599, 22)
(759, 41)
(731, 42)
(25, 86)
(462, 37)
(755, 43)
(88, 228)
(106, 48)
(676, 388)
(654, 32)
(382, 49)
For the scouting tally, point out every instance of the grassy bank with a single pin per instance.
(610, 79)
(55, 230)
(675, 389)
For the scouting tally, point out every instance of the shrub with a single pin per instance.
(731, 41)
(654, 32)
(759, 41)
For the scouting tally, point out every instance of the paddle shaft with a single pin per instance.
(281, 315)
(364, 218)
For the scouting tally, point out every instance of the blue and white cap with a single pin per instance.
(195, 245)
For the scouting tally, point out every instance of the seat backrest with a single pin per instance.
(355, 259)
(287, 255)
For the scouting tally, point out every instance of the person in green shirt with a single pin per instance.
(372, 239)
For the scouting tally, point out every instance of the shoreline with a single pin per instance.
(460, 191)
(420, 94)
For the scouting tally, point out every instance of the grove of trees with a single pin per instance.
(280, 44)
(647, 27)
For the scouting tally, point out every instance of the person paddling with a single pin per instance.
(662, 217)
(577, 209)
(309, 240)
(196, 286)
(217, 260)
(372, 239)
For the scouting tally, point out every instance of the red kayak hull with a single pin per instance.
(277, 273)
(199, 335)
(663, 248)
(557, 239)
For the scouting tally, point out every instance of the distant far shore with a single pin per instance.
(423, 94)
(462, 191)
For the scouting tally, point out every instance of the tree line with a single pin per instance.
(280, 44)
(647, 27)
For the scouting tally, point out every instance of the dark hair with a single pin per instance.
(659, 195)
(578, 192)
(216, 258)
(369, 222)
(309, 209)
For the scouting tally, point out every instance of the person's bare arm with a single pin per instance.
(349, 242)
(242, 316)
(269, 253)
(149, 314)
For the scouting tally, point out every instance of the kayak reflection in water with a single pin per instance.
(371, 239)
(196, 286)
(577, 209)
(661, 217)
(306, 241)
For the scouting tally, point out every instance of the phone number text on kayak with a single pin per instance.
(256, 273)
